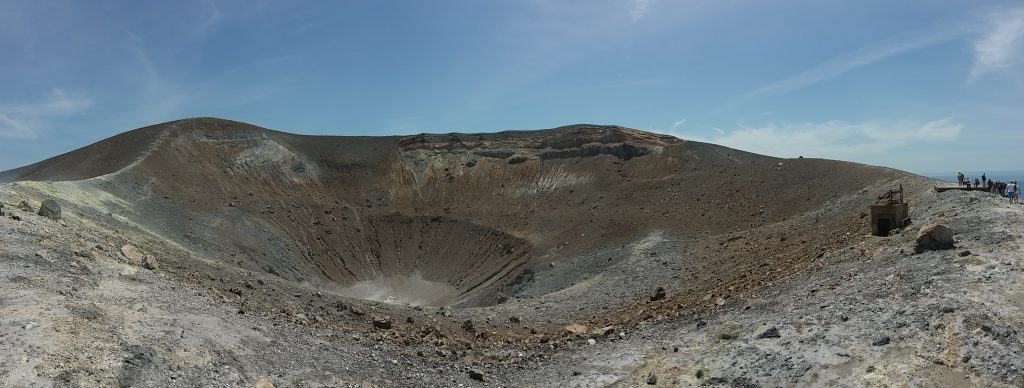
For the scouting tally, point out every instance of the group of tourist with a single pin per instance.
(1009, 190)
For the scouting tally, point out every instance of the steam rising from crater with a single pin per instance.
(411, 290)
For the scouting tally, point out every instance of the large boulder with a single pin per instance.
(50, 209)
(934, 237)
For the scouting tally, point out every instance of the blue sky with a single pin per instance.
(925, 86)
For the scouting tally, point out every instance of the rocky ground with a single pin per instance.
(87, 304)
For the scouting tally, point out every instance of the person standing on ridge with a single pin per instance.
(1013, 191)
(982, 178)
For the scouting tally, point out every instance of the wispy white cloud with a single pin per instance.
(863, 141)
(16, 129)
(840, 65)
(212, 17)
(26, 120)
(57, 102)
(1001, 45)
(638, 9)
(678, 123)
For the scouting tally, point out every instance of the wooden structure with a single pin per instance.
(889, 212)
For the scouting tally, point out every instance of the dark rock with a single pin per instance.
(476, 375)
(50, 209)
(468, 326)
(517, 159)
(947, 309)
(652, 379)
(880, 340)
(965, 253)
(382, 321)
(767, 332)
(513, 319)
(24, 206)
(934, 237)
(658, 294)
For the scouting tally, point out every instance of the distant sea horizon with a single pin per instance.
(1004, 176)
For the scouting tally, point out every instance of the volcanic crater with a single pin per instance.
(500, 237)
(470, 216)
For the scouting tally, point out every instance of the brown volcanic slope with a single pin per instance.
(486, 214)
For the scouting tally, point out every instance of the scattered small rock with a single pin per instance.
(467, 325)
(659, 294)
(476, 375)
(947, 309)
(50, 209)
(576, 329)
(652, 379)
(264, 383)
(382, 321)
(727, 331)
(149, 262)
(965, 253)
(880, 340)
(133, 254)
(602, 332)
(766, 331)
(24, 206)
